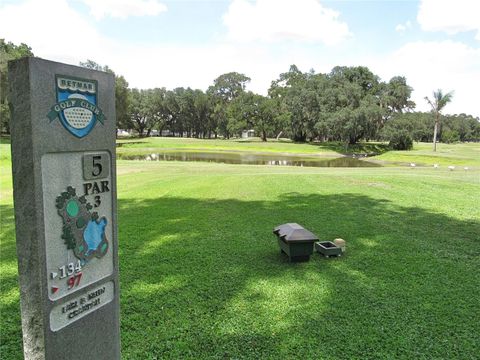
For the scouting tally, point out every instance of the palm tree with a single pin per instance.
(438, 103)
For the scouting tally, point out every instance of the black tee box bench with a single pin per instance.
(295, 241)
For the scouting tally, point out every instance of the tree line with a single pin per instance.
(348, 104)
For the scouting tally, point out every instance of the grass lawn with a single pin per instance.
(203, 278)
(152, 144)
(447, 154)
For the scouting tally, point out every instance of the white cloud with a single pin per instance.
(429, 66)
(124, 8)
(143, 66)
(37, 24)
(197, 67)
(449, 16)
(401, 28)
(272, 20)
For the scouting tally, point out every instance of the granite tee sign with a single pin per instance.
(63, 153)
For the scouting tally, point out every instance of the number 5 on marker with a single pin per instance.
(96, 166)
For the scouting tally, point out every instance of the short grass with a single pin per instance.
(146, 145)
(203, 278)
(464, 154)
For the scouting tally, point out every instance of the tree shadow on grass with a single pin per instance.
(10, 327)
(204, 278)
(7, 233)
(5, 139)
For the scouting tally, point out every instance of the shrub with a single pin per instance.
(401, 140)
(450, 136)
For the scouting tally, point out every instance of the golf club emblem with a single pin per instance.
(76, 105)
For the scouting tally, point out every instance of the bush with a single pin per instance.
(450, 136)
(401, 140)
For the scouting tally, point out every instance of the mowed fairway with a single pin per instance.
(202, 276)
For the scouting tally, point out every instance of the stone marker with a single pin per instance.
(63, 154)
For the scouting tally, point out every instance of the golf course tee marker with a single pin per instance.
(63, 161)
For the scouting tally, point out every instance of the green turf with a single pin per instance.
(146, 145)
(203, 278)
(466, 154)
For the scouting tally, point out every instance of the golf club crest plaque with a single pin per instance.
(76, 105)
(64, 176)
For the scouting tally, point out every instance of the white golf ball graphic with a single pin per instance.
(78, 117)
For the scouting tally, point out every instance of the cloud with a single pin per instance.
(124, 8)
(43, 32)
(274, 20)
(144, 66)
(427, 65)
(197, 67)
(401, 28)
(451, 17)
(433, 65)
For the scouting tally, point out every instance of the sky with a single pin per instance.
(435, 44)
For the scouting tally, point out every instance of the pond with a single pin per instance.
(251, 159)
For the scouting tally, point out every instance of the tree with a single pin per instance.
(440, 100)
(355, 107)
(230, 85)
(397, 95)
(176, 107)
(202, 111)
(142, 110)
(463, 127)
(121, 92)
(270, 121)
(121, 102)
(90, 64)
(293, 95)
(348, 104)
(225, 89)
(155, 109)
(8, 51)
(417, 124)
(244, 112)
(239, 113)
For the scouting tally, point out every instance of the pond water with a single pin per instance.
(251, 159)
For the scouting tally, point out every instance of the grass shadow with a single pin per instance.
(5, 139)
(205, 279)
